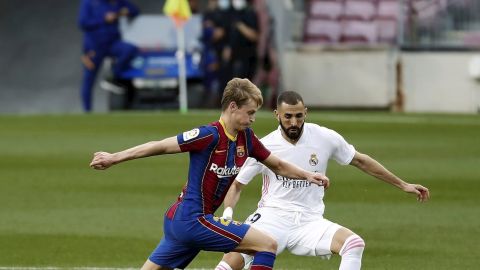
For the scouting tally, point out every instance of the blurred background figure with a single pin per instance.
(241, 50)
(214, 38)
(99, 21)
(195, 6)
(267, 74)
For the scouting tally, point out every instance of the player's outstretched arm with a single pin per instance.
(104, 160)
(374, 168)
(231, 199)
(290, 170)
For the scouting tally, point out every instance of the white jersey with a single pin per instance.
(312, 151)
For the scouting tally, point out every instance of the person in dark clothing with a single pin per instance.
(99, 21)
(214, 39)
(241, 51)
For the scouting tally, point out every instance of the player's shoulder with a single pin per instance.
(317, 130)
(271, 137)
(209, 129)
(313, 127)
(200, 132)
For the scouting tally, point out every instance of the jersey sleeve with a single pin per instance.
(249, 170)
(196, 139)
(343, 152)
(259, 151)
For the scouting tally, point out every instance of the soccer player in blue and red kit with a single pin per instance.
(217, 152)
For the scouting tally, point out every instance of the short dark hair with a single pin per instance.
(290, 98)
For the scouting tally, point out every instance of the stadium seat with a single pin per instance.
(322, 31)
(387, 30)
(364, 32)
(387, 17)
(325, 9)
(472, 39)
(359, 10)
(388, 9)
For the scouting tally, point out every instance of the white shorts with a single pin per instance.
(301, 233)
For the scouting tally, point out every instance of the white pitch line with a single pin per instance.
(74, 268)
(62, 268)
(91, 268)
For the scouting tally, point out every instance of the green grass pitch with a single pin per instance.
(56, 211)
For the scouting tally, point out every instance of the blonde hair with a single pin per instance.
(241, 91)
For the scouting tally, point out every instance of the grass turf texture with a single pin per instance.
(56, 211)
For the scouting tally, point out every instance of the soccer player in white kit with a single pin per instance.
(291, 210)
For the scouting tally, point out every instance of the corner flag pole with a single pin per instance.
(179, 11)
(182, 73)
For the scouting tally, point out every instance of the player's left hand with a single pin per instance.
(228, 213)
(423, 194)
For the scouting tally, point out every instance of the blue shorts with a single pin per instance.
(183, 239)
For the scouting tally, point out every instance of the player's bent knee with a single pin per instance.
(353, 245)
(270, 245)
(256, 241)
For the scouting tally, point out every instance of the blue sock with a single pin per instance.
(263, 261)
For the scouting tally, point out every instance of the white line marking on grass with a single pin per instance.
(410, 119)
(82, 268)
(63, 268)
(75, 268)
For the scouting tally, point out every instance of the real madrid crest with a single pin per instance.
(240, 151)
(313, 159)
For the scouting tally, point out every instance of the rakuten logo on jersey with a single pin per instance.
(224, 172)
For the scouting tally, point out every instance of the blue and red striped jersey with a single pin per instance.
(215, 160)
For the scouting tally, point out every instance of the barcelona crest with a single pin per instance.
(240, 151)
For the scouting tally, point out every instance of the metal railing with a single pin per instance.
(440, 24)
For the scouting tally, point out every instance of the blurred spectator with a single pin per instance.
(194, 6)
(214, 38)
(241, 51)
(267, 73)
(99, 21)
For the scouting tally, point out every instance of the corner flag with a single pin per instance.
(178, 10)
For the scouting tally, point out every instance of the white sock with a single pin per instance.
(351, 253)
(223, 266)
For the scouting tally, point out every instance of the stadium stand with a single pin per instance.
(359, 10)
(330, 10)
(388, 9)
(387, 30)
(387, 18)
(426, 11)
(322, 31)
(351, 22)
(359, 32)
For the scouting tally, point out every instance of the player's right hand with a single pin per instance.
(101, 160)
(319, 179)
